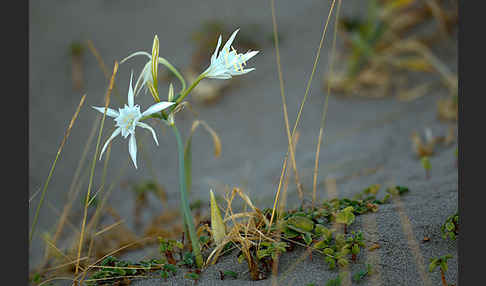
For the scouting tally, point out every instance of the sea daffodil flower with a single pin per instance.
(150, 70)
(128, 117)
(228, 63)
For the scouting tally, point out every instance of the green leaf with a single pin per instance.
(443, 265)
(328, 251)
(191, 275)
(230, 273)
(164, 274)
(343, 262)
(307, 238)
(262, 253)
(450, 226)
(433, 264)
(241, 258)
(345, 216)
(334, 282)
(188, 163)
(170, 268)
(320, 244)
(300, 223)
(355, 249)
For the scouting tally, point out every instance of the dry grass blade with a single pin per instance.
(102, 65)
(305, 97)
(107, 102)
(284, 103)
(324, 112)
(66, 135)
(109, 227)
(214, 135)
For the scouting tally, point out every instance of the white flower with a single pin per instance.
(127, 118)
(150, 69)
(228, 63)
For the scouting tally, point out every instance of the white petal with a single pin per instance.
(230, 41)
(146, 126)
(139, 83)
(215, 55)
(132, 149)
(113, 135)
(250, 55)
(110, 112)
(157, 107)
(135, 54)
(242, 72)
(130, 92)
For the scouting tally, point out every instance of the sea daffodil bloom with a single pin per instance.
(228, 63)
(127, 118)
(150, 68)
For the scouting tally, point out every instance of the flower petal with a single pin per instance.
(215, 55)
(110, 112)
(157, 107)
(230, 41)
(130, 92)
(113, 135)
(135, 54)
(132, 149)
(142, 79)
(146, 126)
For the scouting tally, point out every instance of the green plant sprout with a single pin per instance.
(345, 217)
(442, 262)
(113, 271)
(355, 242)
(224, 64)
(228, 273)
(192, 276)
(426, 165)
(271, 249)
(450, 229)
(360, 275)
(166, 248)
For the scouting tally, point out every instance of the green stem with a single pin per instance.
(174, 71)
(185, 203)
(184, 93)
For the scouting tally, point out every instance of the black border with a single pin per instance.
(15, 83)
(471, 191)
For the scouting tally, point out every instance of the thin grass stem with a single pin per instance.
(39, 205)
(93, 164)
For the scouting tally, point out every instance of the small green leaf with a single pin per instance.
(343, 262)
(433, 264)
(307, 238)
(164, 274)
(230, 273)
(170, 268)
(328, 251)
(192, 275)
(320, 244)
(300, 223)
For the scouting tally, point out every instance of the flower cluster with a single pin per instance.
(224, 65)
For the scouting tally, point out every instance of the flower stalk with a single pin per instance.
(196, 248)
